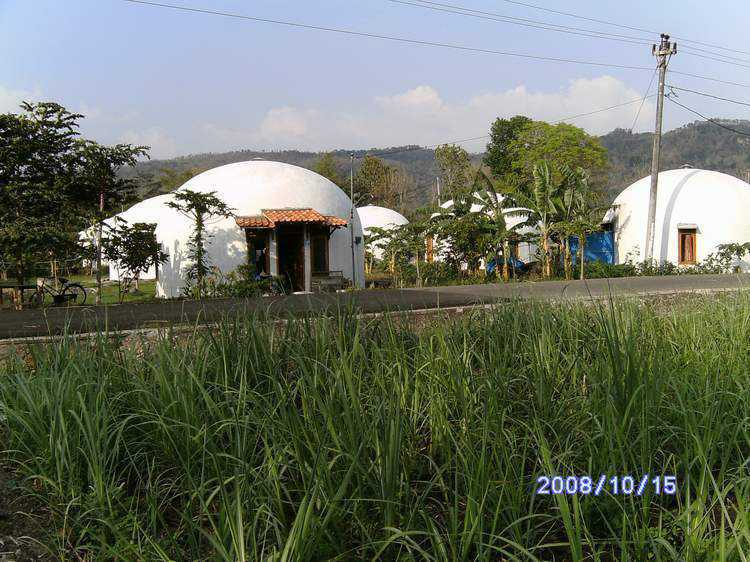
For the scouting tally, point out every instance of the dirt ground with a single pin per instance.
(24, 526)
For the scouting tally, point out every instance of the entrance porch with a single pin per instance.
(293, 244)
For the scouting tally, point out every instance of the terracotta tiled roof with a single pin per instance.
(334, 221)
(271, 217)
(255, 221)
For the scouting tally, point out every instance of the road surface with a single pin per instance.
(28, 323)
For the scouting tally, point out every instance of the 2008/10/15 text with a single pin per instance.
(616, 485)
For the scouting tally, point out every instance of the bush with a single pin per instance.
(240, 283)
(602, 270)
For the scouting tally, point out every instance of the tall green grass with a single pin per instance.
(346, 439)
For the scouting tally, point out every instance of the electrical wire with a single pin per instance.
(490, 16)
(643, 101)
(620, 25)
(388, 37)
(679, 88)
(718, 124)
(564, 119)
(423, 43)
(455, 9)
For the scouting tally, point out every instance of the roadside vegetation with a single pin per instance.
(351, 439)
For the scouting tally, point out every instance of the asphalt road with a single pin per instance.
(29, 323)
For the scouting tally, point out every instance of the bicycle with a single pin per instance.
(68, 293)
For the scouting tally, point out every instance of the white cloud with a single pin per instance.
(10, 100)
(162, 145)
(421, 116)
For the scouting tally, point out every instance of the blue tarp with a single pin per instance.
(600, 246)
(512, 263)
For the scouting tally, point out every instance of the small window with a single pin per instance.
(686, 249)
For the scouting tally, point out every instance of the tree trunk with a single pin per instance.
(98, 299)
(546, 266)
(419, 277)
(506, 255)
(581, 248)
(567, 259)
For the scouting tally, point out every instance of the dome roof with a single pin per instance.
(711, 202)
(249, 187)
(372, 216)
(685, 184)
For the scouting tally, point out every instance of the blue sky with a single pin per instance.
(185, 83)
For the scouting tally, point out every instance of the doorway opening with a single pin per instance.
(686, 246)
(291, 250)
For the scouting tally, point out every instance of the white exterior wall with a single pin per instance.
(248, 188)
(717, 204)
(372, 216)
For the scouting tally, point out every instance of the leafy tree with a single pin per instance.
(170, 180)
(455, 169)
(559, 145)
(377, 183)
(101, 188)
(326, 167)
(199, 207)
(133, 249)
(460, 231)
(37, 192)
(499, 158)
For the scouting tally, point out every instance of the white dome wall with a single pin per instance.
(717, 203)
(373, 216)
(248, 188)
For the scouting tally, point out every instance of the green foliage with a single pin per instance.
(375, 439)
(560, 145)
(327, 168)
(199, 207)
(455, 170)
(377, 183)
(240, 283)
(498, 156)
(37, 185)
(133, 250)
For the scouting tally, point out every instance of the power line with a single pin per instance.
(620, 25)
(718, 124)
(491, 16)
(710, 78)
(387, 37)
(455, 9)
(643, 101)
(671, 87)
(569, 118)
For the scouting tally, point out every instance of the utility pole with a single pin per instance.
(351, 218)
(663, 53)
(98, 299)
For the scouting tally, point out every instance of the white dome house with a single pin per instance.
(291, 221)
(696, 210)
(372, 216)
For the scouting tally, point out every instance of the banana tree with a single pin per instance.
(496, 230)
(543, 200)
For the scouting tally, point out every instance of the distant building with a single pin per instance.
(696, 211)
(372, 216)
(289, 221)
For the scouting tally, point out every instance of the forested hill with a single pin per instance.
(700, 144)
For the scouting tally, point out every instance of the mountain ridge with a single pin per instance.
(699, 144)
